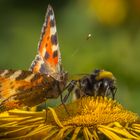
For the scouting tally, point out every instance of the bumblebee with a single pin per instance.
(98, 83)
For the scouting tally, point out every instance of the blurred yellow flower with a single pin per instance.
(88, 118)
(109, 12)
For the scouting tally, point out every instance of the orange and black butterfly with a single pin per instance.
(46, 77)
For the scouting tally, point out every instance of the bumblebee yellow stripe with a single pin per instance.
(105, 74)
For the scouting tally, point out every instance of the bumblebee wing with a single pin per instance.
(76, 76)
(48, 59)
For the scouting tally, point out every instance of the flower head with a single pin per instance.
(88, 118)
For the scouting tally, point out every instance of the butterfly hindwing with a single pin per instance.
(25, 88)
(48, 59)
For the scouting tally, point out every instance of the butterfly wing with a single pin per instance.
(24, 88)
(48, 59)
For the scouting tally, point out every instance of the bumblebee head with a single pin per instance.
(104, 83)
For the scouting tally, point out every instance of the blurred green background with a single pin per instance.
(114, 45)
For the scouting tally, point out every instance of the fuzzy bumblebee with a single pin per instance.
(98, 83)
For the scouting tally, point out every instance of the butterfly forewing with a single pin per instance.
(48, 60)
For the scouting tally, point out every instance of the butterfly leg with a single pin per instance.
(70, 87)
(63, 103)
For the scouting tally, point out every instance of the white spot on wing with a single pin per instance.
(28, 79)
(53, 30)
(55, 47)
(51, 17)
(4, 72)
(15, 74)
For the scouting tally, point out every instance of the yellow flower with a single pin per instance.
(87, 118)
(109, 12)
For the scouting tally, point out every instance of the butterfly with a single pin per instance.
(45, 77)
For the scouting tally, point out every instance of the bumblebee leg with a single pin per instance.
(106, 93)
(114, 92)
